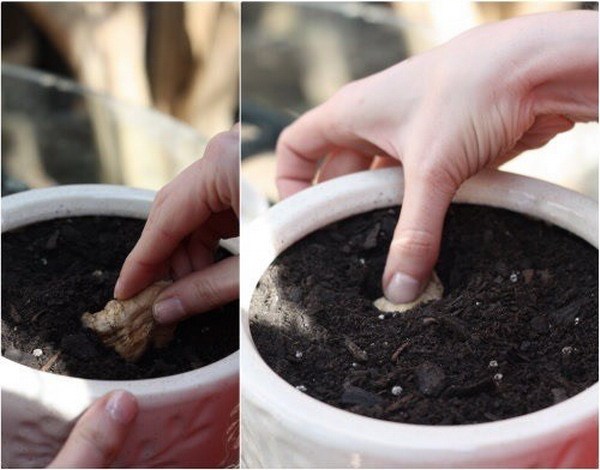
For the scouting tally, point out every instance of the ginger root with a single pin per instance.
(128, 326)
(433, 291)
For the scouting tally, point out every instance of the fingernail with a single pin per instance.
(118, 287)
(402, 288)
(168, 310)
(121, 407)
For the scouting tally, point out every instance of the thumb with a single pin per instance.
(100, 433)
(198, 292)
(416, 243)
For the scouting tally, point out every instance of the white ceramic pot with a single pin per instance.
(283, 427)
(185, 420)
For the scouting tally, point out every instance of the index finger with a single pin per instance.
(208, 186)
(311, 138)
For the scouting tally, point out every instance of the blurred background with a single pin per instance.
(296, 55)
(123, 93)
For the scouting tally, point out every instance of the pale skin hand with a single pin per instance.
(476, 101)
(100, 433)
(188, 218)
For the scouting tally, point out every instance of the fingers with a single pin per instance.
(341, 163)
(316, 134)
(299, 149)
(100, 433)
(181, 264)
(416, 242)
(198, 251)
(204, 242)
(209, 186)
(384, 162)
(415, 247)
(199, 292)
(542, 131)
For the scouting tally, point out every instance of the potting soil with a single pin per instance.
(516, 330)
(53, 272)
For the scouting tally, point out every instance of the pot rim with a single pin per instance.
(42, 204)
(305, 212)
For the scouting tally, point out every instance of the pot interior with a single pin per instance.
(56, 270)
(568, 211)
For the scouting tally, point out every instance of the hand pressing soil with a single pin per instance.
(128, 326)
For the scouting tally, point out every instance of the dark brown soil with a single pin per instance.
(516, 329)
(53, 272)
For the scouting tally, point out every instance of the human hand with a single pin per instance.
(475, 101)
(188, 218)
(100, 433)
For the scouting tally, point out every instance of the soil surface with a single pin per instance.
(53, 272)
(515, 331)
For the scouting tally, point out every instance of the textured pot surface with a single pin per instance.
(283, 427)
(185, 420)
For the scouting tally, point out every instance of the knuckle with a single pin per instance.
(220, 145)
(158, 205)
(284, 136)
(418, 243)
(283, 142)
(165, 232)
(348, 97)
(338, 124)
(206, 293)
(135, 261)
(349, 92)
(439, 177)
(162, 195)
